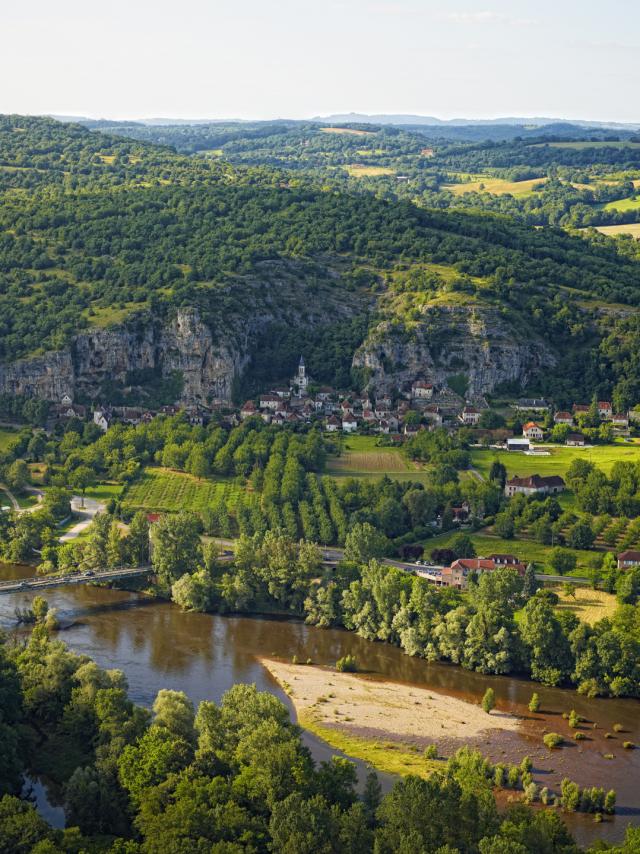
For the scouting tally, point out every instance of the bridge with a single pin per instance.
(44, 582)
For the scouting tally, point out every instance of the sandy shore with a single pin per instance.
(362, 707)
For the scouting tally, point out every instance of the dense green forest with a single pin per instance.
(95, 229)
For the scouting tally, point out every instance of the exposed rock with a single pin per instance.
(471, 340)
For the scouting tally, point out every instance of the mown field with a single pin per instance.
(614, 230)
(558, 461)
(587, 604)
(632, 204)
(166, 490)
(348, 131)
(496, 186)
(361, 456)
(357, 170)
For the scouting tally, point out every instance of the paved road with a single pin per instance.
(11, 497)
(85, 514)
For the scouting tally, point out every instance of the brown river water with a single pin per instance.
(158, 646)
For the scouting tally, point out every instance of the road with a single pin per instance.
(85, 514)
(11, 497)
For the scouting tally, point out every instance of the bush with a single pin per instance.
(553, 740)
(575, 719)
(618, 728)
(628, 745)
(489, 700)
(534, 702)
(347, 664)
(579, 736)
(431, 752)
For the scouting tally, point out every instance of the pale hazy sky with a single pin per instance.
(300, 58)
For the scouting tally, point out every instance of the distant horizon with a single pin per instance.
(298, 58)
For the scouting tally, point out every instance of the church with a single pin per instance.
(301, 380)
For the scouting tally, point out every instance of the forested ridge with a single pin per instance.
(91, 224)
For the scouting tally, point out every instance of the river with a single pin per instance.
(158, 646)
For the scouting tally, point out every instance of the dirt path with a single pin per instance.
(11, 497)
(86, 511)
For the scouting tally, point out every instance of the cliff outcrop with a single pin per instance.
(474, 343)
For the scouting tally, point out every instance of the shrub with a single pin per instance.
(570, 795)
(579, 736)
(489, 700)
(545, 797)
(610, 802)
(513, 777)
(575, 719)
(431, 752)
(618, 728)
(347, 664)
(526, 764)
(609, 735)
(552, 740)
(534, 702)
(628, 745)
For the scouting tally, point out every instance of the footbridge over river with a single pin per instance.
(43, 582)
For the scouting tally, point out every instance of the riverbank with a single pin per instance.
(386, 724)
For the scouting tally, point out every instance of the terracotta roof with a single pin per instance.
(534, 481)
(630, 554)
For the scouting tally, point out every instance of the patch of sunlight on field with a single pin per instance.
(588, 605)
(495, 186)
(357, 170)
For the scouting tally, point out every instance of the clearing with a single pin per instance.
(496, 186)
(629, 204)
(358, 170)
(7, 437)
(167, 490)
(383, 723)
(588, 605)
(614, 230)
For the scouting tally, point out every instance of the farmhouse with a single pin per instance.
(248, 409)
(628, 559)
(349, 424)
(534, 431)
(620, 420)
(575, 440)
(534, 485)
(470, 415)
(270, 401)
(457, 575)
(605, 410)
(333, 425)
(421, 390)
(563, 418)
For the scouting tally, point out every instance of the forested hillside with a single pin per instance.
(95, 229)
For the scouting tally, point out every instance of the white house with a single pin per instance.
(101, 419)
(605, 410)
(349, 424)
(563, 418)
(533, 431)
(332, 425)
(470, 416)
(270, 401)
(421, 390)
(621, 421)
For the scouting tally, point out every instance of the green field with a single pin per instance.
(7, 437)
(527, 551)
(558, 461)
(496, 186)
(632, 204)
(166, 490)
(105, 491)
(587, 144)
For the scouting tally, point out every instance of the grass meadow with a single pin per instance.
(496, 186)
(615, 230)
(357, 170)
(559, 459)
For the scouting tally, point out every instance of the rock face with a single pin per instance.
(475, 342)
(183, 344)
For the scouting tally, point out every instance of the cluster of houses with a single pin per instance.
(342, 413)
(457, 575)
(534, 432)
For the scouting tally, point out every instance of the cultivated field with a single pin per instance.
(164, 489)
(357, 170)
(361, 456)
(496, 186)
(614, 230)
(558, 461)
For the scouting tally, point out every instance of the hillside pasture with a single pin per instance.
(588, 605)
(630, 204)
(7, 437)
(495, 186)
(166, 490)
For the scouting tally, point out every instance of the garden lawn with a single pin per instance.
(528, 551)
(167, 490)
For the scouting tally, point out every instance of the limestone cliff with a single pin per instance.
(181, 344)
(475, 341)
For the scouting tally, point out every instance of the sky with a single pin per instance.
(261, 59)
